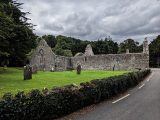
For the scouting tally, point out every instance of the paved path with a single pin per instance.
(140, 103)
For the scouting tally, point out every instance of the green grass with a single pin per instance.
(12, 79)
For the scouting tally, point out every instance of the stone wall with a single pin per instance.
(62, 63)
(107, 62)
(44, 59)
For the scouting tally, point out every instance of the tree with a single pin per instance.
(100, 47)
(112, 46)
(106, 46)
(130, 44)
(62, 52)
(70, 46)
(16, 34)
(6, 24)
(50, 39)
(78, 46)
(154, 52)
(64, 42)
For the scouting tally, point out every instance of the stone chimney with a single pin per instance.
(145, 46)
(127, 51)
(88, 51)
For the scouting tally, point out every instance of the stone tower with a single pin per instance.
(88, 51)
(145, 46)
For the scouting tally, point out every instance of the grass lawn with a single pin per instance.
(12, 79)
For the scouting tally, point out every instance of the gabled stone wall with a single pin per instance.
(43, 57)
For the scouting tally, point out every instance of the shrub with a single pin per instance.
(57, 102)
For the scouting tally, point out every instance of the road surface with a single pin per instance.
(140, 103)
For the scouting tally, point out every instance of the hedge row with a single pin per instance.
(47, 105)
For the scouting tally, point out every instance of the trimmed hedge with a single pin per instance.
(52, 104)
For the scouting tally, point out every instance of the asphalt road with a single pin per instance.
(140, 103)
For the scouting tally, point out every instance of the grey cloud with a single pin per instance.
(94, 19)
(53, 26)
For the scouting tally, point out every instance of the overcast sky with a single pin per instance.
(94, 19)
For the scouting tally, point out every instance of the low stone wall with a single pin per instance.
(62, 63)
(107, 62)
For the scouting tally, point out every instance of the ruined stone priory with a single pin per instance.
(45, 59)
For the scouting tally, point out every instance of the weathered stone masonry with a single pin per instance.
(107, 62)
(44, 58)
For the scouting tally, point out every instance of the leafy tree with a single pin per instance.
(60, 51)
(78, 46)
(112, 46)
(63, 42)
(106, 46)
(68, 43)
(154, 52)
(6, 24)
(16, 36)
(68, 53)
(50, 39)
(100, 47)
(130, 44)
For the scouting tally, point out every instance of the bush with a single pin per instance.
(61, 101)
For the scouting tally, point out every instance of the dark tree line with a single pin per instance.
(68, 46)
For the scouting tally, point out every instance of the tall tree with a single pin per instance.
(106, 46)
(154, 52)
(63, 46)
(100, 47)
(16, 34)
(50, 39)
(130, 44)
(69, 46)
(112, 46)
